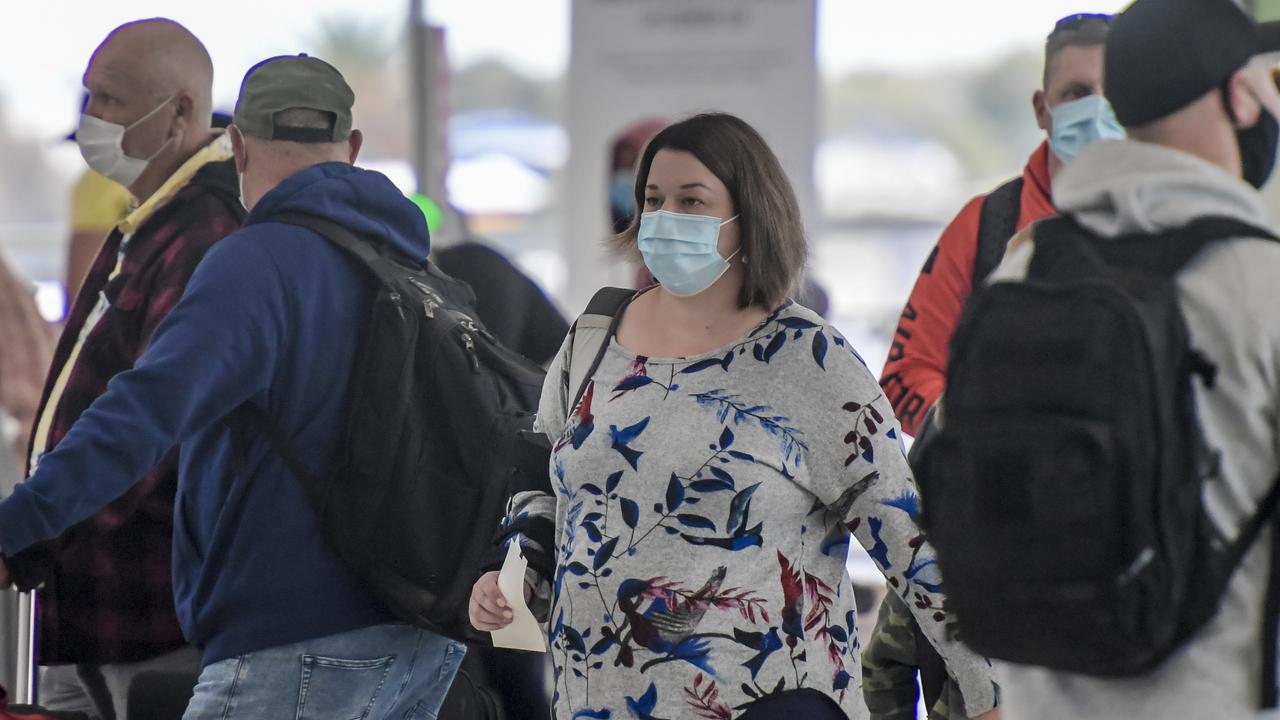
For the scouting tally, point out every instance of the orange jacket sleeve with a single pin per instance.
(915, 372)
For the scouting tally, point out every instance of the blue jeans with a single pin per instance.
(384, 672)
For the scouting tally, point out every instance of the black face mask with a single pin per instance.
(1257, 145)
(1258, 149)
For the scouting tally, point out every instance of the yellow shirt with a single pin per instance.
(97, 203)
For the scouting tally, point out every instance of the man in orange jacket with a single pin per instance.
(1073, 113)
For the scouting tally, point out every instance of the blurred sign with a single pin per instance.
(637, 59)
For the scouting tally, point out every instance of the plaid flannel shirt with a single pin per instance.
(107, 593)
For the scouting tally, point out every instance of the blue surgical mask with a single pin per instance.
(1082, 122)
(622, 197)
(681, 250)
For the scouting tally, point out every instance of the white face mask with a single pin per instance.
(102, 147)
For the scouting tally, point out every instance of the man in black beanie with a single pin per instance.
(1191, 82)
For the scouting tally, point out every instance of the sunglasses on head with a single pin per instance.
(1074, 22)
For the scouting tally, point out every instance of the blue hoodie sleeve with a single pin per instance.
(217, 349)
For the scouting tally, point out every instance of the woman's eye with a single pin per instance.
(652, 202)
(691, 202)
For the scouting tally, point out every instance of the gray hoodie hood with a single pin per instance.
(1124, 186)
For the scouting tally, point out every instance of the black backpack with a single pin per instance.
(997, 223)
(1067, 475)
(433, 437)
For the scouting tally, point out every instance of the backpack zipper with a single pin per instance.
(431, 301)
(469, 343)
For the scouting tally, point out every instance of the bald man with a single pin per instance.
(107, 606)
(272, 319)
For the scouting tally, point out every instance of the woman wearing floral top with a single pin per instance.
(705, 487)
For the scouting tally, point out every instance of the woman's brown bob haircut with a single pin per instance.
(774, 248)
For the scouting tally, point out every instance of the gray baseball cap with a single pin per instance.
(293, 81)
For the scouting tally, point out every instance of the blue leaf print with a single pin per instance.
(745, 457)
(774, 346)
(838, 634)
(758, 352)
(622, 439)
(924, 572)
(593, 532)
(643, 708)
(726, 439)
(739, 508)
(593, 489)
(630, 512)
(605, 554)
(605, 642)
(555, 630)
(728, 358)
(696, 521)
(577, 568)
(908, 502)
(765, 645)
(590, 714)
(721, 473)
(702, 365)
(612, 483)
(634, 382)
(796, 323)
(706, 486)
(722, 482)
(741, 541)
(820, 349)
(841, 681)
(675, 493)
(879, 551)
(574, 639)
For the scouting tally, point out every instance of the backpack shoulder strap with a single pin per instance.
(997, 222)
(368, 253)
(1152, 254)
(591, 334)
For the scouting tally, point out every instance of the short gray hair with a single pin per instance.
(1085, 30)
(303, 118)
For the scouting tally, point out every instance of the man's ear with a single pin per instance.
(354, 143)
(1245, 107)
(237, 149)
(1043, 118)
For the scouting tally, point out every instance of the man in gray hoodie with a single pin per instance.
(1190, 82)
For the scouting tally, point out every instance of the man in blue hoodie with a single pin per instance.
(272, 316)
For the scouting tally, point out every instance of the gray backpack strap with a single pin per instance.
(591, 334)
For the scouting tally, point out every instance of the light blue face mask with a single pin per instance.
(1082, 122)
(622, 196)
(681, 250)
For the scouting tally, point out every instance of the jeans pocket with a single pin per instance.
(435, 690)
(340, 688)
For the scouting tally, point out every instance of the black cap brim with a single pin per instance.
(1268, 37)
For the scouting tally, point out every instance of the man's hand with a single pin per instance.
(488, 609)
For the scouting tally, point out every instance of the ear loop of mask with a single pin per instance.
(143, 119)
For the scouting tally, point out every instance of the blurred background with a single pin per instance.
(516, 116)
(911, 109)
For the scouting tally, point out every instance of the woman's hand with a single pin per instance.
(488, 609)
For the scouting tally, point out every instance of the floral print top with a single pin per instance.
(702, 512)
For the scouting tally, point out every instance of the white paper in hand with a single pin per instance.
(523, 633)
